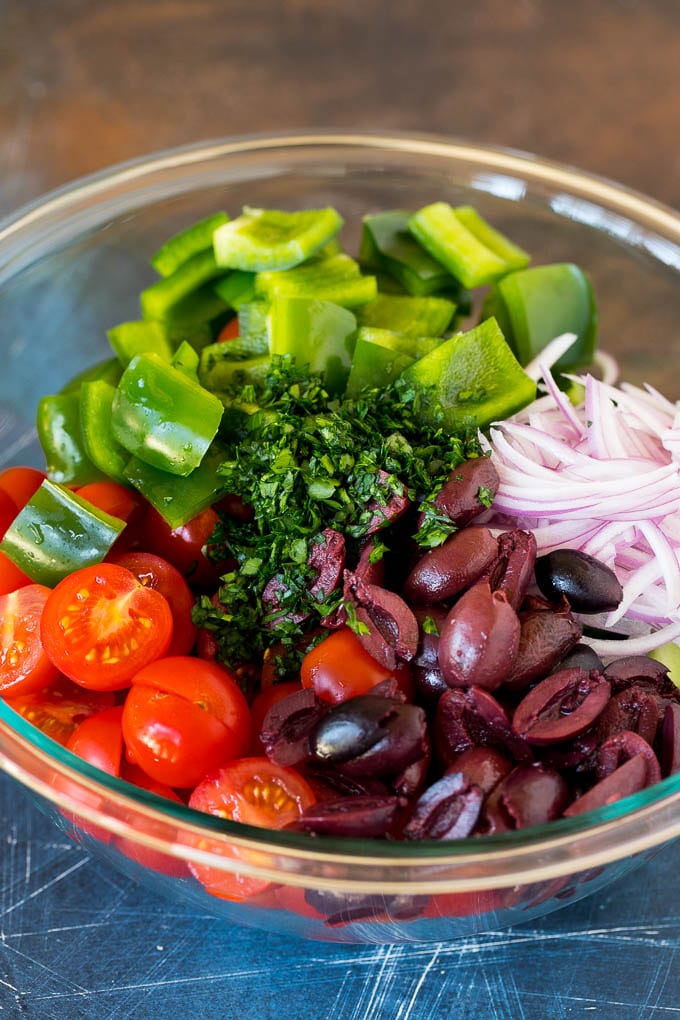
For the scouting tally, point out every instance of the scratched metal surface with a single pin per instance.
(78, 940)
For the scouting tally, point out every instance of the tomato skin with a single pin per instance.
(185, 547)
(21, 483)
(24, 665)
(8, 511)
(57, 710)
(99, 740)
(183, 718)
(112, 498)
(11, 577)
(254, 791)
(339, 668)
(230, 331)
(154, 572)
(100, 626)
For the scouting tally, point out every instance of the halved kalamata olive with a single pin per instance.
(589, 585)
(450, 568)
(577, 753)
(482, 766)
(329, 784)
(370, 736)
(390, 630)
(631, 669)
(411, 780)
(670, 740)
(427, 676)
(358, 817)
(327, 559)
(479, 640)
(471, 717)
(390, 507)
(620, 748)
(513, 571)
(547, 633)
(448, 809)
(459, 497)
(633, 709)
(580, 655)
(631, 777)
(529, 795)
(561, 706)
(287, 726)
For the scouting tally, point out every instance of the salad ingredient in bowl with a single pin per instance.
(325, 549)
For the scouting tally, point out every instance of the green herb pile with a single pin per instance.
(305, 462)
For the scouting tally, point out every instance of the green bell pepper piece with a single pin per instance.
(236, 288)
(58, 532)
(413, 316)
(187, 243)
(465, 244)
(387, 245)
(179, 499)
(174, 298)
(533, 306)
(375, 364)
(263, 239)
(108, 370)
(59, 433)
(333, 278)
(469, 381)
(101, 446)
(162, 416)
(315, 333)
(185, 360)
(149, 336)
(229, 375)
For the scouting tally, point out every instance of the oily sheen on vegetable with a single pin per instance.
(316, 549)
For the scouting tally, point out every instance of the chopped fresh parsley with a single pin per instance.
(306, 462)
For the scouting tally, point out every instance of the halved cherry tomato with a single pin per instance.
(183, 718)
(230, 331)
(155, 572)
(254, 791)
(24, 665)
(185, 547)
(339, 668)
(100, 626)
(59, 709)
(21, 483)
(99, 740)
(267, 697)
(11, 577)
(120, 502)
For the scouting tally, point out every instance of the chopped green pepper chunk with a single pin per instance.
(236, 288)
(182, 246)
(226, 375)
(533, 306)
(413, 316)
(162, 416)
(469, 381)
(462, 241)
(103, 449)
(58, 532)
(169, 298)
(109, 370)
(149, 336)
(262, 239)
(387, 245)
(185, 360)
(375, 364)
(59, 433)
(177, 499)
(315, 333)
(333, 278)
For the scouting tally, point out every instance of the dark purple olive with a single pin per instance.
(459, 497)
(634, 709)
(631, 777)
(448, 809)
(427, 676)
(351, 816)
(391, 505)
(580, 655)
(561, 706)
(388, 629)
(589, 585)
(513, 571)
(670, 740)
(529, 795)
(479, 640)
(620, 748)
(450, 568)
(483, 766)
(471, 717)
(547, 633)
(287, 726)
(370, 736)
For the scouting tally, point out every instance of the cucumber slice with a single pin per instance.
(465, 244)
(469, 381)
(414, 316)
(262, 239)
(177, 249)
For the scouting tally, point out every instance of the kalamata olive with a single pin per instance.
(631, 777)
(547, 633)
(427, 676)
(327, 560)
(392, 505)
(287, 726)
(351, 816)
(482, 766)
(513, 570)
(471, 717)
(633, 709)
(412, 780)
(561, 706)
(388, 629)
(577, 753)
(370, 736)
(589, 585)
(620, 748)
(670, 740)
(450, 568)
(469, 490)
(479, 640)
(448, 809)
(529, 795)
(631, 669)
(580, 655)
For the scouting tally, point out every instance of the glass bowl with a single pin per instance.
(72, 265)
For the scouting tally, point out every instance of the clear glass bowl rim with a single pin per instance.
(639, 823)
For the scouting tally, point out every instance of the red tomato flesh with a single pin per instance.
(24, 665)
(59, 709)
(155, 572)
